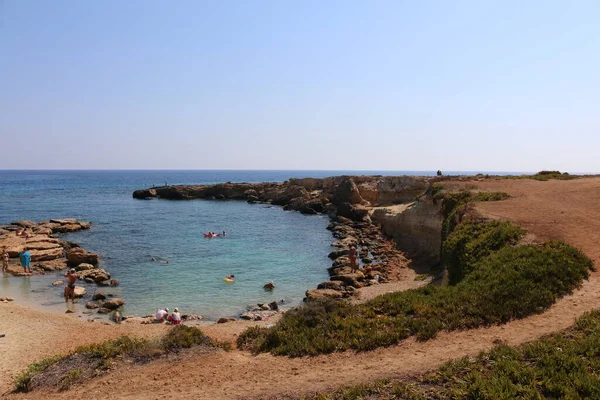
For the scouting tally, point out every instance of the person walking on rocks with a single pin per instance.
(25, 258)
(70, 287)
(352, 256)
(4, 260)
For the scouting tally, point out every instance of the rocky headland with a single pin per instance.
(51, 253)
(376, 214)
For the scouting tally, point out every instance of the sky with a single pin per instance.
(333, 85)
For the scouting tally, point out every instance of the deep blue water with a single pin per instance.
(263, 243)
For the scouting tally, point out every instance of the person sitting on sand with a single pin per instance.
(25, 258)
(70, 287)
(175, 317)
(161, 315)
(4, 259)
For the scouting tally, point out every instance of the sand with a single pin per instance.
(565, 210)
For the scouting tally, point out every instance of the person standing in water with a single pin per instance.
(25, 258)
(4, 259)
(71, 276)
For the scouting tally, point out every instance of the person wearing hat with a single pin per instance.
(175, 317)
(71, 276)
(161, 315)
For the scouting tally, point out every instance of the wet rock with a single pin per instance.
(69, 312)
(92, 305)
(113, 303)
(338, 253)
(224, 320)
(103, 310)
(57, 283)
(98, 296)
(274, 306)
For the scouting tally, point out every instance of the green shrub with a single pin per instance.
(473, 240)
(184, 337)
(513, 282)
(21, 383)
(564, 365)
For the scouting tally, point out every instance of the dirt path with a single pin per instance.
(566, 210)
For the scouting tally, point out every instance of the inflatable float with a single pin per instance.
(208, 235)
(229, 280)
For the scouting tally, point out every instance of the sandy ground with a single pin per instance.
(565, 210)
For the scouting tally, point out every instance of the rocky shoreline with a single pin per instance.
(349, 201)
(50, 253)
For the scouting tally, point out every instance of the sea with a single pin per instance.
(263, 243)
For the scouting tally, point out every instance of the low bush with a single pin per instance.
(564, 365)
(473, 240)
(87, 361)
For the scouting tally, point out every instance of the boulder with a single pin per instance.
(334, 285)
(285, 195)
(84, 267)
(113, 303)
(223, 320)
(350, 279)
(91, 305)
(97, 275)
(347, 192)
(98, 296)
(78, 256)
(274, 306)
(57, 283)
(314, 294)
(103, 310)
(338, 253)
(79, 291)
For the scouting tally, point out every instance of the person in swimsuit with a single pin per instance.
(70, 288)
(4, 260)
(352, 256)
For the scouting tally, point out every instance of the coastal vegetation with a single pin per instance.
(561, 365)
(89, 361)
(492, 280)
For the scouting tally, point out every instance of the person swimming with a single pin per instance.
(231, 277)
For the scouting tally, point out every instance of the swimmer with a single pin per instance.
(269, 285)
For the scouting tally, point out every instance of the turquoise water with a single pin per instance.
(263, 243)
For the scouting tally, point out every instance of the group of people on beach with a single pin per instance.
(162, 316)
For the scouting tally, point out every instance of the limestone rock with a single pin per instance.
(103, 310)
(78, 256)
(314, 294)
(347, 192)
(24, 224)
(79, 291)
(334, 285)
(46, 255)
(92, 305)
(98, 296)
(84, 267)
(113, 303)
(94, 275)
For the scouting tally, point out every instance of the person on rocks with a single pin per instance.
(161, 315)
(175, 317)
(4, 259)
(71, 276)
(352, 256)
(25, 258)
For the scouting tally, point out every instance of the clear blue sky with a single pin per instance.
(363, 85)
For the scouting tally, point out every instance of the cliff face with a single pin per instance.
(415, 227)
